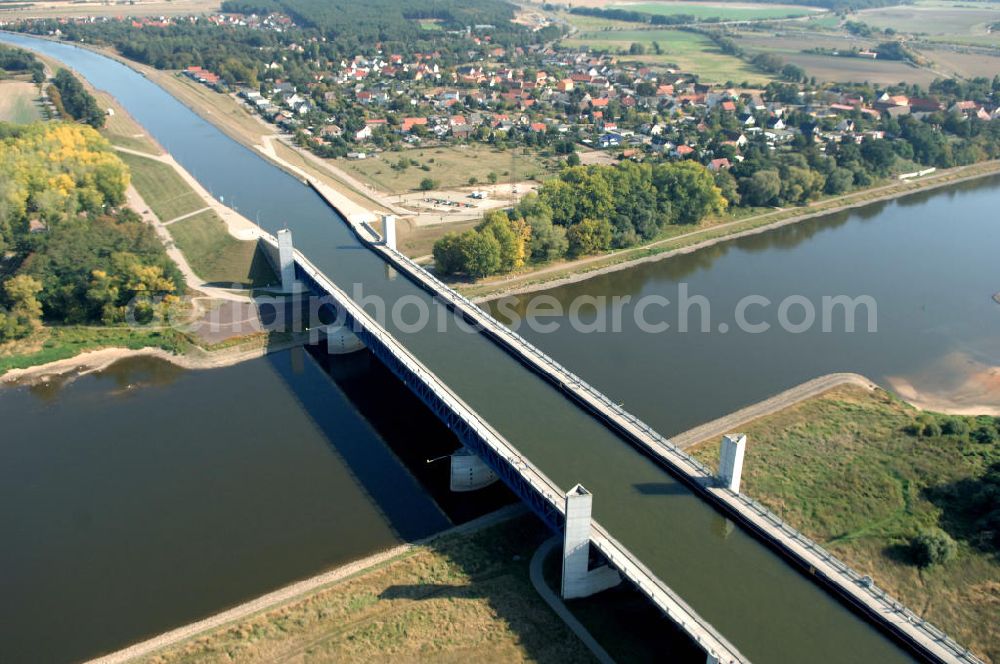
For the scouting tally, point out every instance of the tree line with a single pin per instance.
(585, 210)
(18, 61)
(73, 101)
(74, 254)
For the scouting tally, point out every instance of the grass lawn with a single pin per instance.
(841, 468)
(59, 343)
(164, 191)
(726, 12)
(449, 166)
(18, 102)
(462, 598)
(416, 242)
(691, 52)
(121, 129)
(218, 257)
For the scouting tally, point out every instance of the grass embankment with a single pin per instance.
(163, 190)
(464, 597)
(711, 230)
(52, 344)
(120, 129)
(449, 167)
(214, 254)
(843, 469)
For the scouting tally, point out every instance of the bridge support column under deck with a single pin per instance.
(731, 460)
(577, 579)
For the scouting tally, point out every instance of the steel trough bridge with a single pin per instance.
(550, 502)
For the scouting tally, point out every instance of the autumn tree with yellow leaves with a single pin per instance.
(78, 256)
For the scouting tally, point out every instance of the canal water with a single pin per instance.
(768, 610)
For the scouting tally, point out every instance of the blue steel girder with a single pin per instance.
(504, 468)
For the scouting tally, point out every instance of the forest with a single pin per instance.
(586, 210)
(382, 20)
(331, 30)
(71, 254)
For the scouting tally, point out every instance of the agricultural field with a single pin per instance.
(593, 23)
(860, 70)
(74, 8)
(449, 167)
(688, 51)
(19, 102)
(726, 11)
(954, 20)
(966, 65)
(790, 46)
(844, 469)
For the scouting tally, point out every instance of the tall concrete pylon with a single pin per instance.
(389, 230)
(577, 579)
(286, 260)
(731, 460)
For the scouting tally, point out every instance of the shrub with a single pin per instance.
(955, 426)
(986, 434)
(933, 547)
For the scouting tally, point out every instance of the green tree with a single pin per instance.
(761, 188)
(480, 254)
(589, 236)
(448, 257)
(691, 190)
(427, 184)
(933, 547)
(24, 314)
(512, 249)
(839, 180)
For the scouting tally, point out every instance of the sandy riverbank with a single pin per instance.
(895, 190)
(958, 383)
(99, 360)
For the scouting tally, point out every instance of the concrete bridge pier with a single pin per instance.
(286, 260)
(731, 460)
(389, 230)
(577, 579)
(340, 340)
(469, 472)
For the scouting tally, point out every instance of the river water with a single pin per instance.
(928, 262)
(673, 381)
